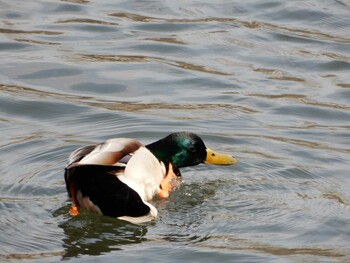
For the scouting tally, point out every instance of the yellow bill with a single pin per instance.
(219, 158)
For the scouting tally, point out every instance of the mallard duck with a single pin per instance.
(119, 176)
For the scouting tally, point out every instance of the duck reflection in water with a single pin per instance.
(91, 234)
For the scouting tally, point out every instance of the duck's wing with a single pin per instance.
(79, 154)
(99, 183)
(108, 153)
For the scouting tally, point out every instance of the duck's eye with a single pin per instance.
(213, 154)
(192, 149)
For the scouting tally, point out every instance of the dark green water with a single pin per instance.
(268, 81)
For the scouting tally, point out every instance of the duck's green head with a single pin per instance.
(186, 149)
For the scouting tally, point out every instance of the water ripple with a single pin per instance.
(298, 142)
(126, 58)
(34, 32)
(300, 32)
(120, 105)
(87, 21)
(234, 243)
(266, 81)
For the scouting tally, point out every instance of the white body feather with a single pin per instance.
(144, 174)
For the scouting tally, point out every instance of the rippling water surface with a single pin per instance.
(268, 81)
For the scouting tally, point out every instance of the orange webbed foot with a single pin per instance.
(73, 210)
(166, 184)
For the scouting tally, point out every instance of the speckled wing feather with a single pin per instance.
(79, 154)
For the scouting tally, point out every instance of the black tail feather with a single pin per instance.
(102, 186)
